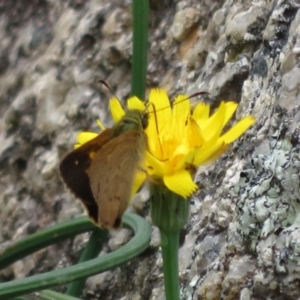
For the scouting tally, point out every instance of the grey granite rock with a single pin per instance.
(242, 240)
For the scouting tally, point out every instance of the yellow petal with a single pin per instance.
(201, 112)
(181, 116)
(202, 155)
(159, 119)
(181, 149)
(186, 160)
(181, 183)
(139, 179)
(84, 137)
(169, 143)
(230, 109)
(237, 130)
(163, 112)
(154, 143)
(194, 134)
(218, 153)
(116, 109)
(212, 129)
(135, 103)
(179, 154)
(154, 166)
(100, 124)
(160, 100)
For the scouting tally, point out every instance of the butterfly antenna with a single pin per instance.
(107, 86)
(187, 98)
(110, 89)
(198, 94)
(156, 125)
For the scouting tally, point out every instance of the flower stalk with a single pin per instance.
(169, 212)
(140, 21)
(169, 247)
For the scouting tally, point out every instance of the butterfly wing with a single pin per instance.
(111, 176)
(73, 171)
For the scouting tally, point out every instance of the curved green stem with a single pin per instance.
(52, 295)
(43, 239)
(169, 246)
(140, 21)
(133, 248)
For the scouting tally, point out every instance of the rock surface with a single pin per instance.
(243, 238)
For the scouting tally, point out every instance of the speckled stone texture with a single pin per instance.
(243, 238)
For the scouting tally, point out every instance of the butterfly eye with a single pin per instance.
(144, 121)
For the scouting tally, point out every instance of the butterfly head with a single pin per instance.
(134, 119)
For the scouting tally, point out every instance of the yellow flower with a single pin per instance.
(180, 138)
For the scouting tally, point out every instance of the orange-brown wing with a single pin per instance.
(73, 171)
(111, 176)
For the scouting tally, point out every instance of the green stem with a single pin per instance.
(140, 20)
(169, 212)
(169, 246)
(44, 238)
(92, 249)
(52, 295)
(62, 276)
